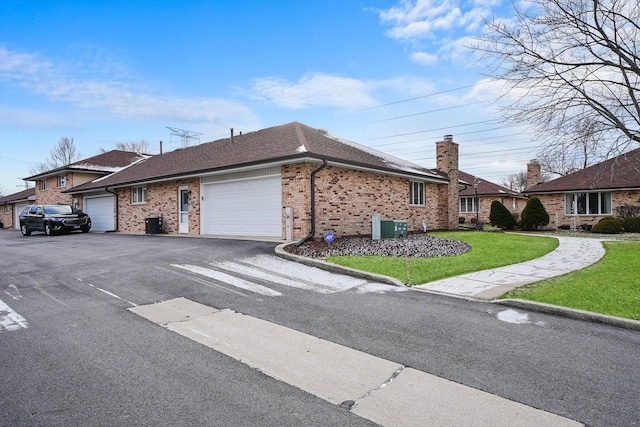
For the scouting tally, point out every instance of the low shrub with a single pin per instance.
(501, 217)
(564, 227)
(631, 225)
(608, 225)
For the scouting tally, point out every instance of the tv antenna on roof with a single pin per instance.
(185, 136)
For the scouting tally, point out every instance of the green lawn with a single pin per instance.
(488, 250)
(611, 286)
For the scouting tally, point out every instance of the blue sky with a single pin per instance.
(392, 75)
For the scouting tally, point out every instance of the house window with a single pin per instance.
(6, 208)
(43, 185)
(139, 195)
(416, 196)
(62, 180)
(467, 204)
(595, 203)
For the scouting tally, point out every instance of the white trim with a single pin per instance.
(183, 228)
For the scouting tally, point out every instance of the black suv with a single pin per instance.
(52, 219)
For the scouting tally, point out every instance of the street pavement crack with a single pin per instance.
(384, 384)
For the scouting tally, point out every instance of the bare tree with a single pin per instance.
(515, 182)
(63, 153)
(569, 156)
(570, 61)
(141, 147)
(2, 192)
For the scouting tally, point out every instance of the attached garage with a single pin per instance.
(243, 205)
(18, 210)
(102, 212)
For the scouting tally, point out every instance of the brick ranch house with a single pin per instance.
(290, 181)
(586, 196)
(51, 186)
(12, 205)
(474, 206)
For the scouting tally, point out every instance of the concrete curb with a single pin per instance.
(572, 313)
(281, 252)
(516, 303)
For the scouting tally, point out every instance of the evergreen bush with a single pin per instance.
(631, 225)
(534, 215)
(609, 225)
(501, 217)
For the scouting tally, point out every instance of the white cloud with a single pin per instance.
(437, 28)
(116, 95)
(314, 90)
(424, 58)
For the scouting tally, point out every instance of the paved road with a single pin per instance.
(74, 354)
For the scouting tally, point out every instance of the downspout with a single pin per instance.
(313, 204)
(117, 208)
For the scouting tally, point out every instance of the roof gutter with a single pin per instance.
(117, 207)
(313, 204)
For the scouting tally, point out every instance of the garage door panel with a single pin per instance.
(243, 208)
(102, 213)
(17, 211)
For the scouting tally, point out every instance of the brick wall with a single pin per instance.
(447, 162)
(7, 219)
(346, 200)
(162, 201)
(53, 194)
(554, 204)
(485, 208)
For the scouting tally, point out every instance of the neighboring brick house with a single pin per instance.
(586, 196)
(51, 185)
(290, 181)
(478, 194)
(12, 205)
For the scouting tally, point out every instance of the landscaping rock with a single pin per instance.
(414, 246)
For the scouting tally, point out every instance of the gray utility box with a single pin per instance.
(390, 229)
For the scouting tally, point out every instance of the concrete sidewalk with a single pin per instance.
(572, 253)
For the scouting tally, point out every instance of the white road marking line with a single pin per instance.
(228, 279)
(10, 320)
(133, 304)
(204, 282)
(259, 274)
(326, 279)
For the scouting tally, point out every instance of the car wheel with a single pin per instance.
(25, 231)
(85, 229)
(47, 229)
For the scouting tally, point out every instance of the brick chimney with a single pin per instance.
(447, 162)
(533, 173)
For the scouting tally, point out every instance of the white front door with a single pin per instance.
(183, 210)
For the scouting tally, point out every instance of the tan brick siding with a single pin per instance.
(53, 194)
(346, 200)
(162, 201)
(485, 208)
(7, 219)
(554, 204)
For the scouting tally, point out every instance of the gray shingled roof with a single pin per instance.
(485, 188)
(280, 144)
(102, 164)
(619, 172)
(19, 196)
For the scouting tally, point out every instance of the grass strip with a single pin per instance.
(611, 286)
(488, 250)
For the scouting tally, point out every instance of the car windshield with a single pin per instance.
(60, 210)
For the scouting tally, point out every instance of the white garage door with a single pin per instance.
(101, 211)
(18, 210)
(248, 207)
